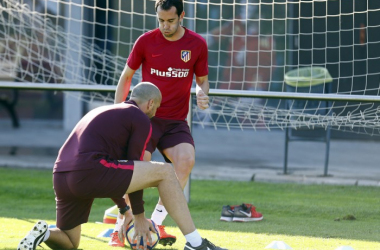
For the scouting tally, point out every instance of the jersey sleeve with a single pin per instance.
(201, 66)
(140, 136)
(120, 202)
(137, 202)
(136, 57)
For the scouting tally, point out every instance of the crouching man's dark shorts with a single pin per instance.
(75, 191)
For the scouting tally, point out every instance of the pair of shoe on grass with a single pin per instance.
(240, 213)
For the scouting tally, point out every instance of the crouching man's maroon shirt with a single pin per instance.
(112, 132)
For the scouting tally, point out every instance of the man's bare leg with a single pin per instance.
(64, 239)
(183, 158)
(162, 176)
(54, 238)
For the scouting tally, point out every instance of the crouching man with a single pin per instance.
(102, 158)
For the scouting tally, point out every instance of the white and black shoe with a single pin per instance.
(206, 245)
(34, 237)
(227, 213)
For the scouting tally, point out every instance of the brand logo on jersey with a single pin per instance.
(171, 72)
(185, 55)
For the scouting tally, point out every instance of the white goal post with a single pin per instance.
(254, 49)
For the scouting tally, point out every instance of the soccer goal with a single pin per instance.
(273, 64)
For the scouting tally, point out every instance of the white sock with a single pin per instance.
(194, 238)
(47, 235)
(118, 222)
(159, 214)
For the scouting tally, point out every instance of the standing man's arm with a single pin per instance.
(202, 89)
(124, 84)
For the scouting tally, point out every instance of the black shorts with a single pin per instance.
(75, 191)
(168, 133)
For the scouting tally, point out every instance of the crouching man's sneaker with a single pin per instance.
(206, 245)
(34, 237)
(165, 238)
(114, 241)
(246, 213)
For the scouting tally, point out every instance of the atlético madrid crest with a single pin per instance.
(185, 55)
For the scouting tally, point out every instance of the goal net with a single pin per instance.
(298, 49)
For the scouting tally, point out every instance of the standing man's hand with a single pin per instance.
(202, 100)
(143, 227)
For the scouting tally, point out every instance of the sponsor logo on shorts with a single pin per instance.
(170, 72)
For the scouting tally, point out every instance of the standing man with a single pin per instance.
(169, 55)
(89, 166)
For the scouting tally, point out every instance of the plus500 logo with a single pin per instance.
(169, 73)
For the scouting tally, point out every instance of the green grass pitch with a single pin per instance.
(304, 216)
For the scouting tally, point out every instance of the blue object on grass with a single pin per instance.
(106, 233)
